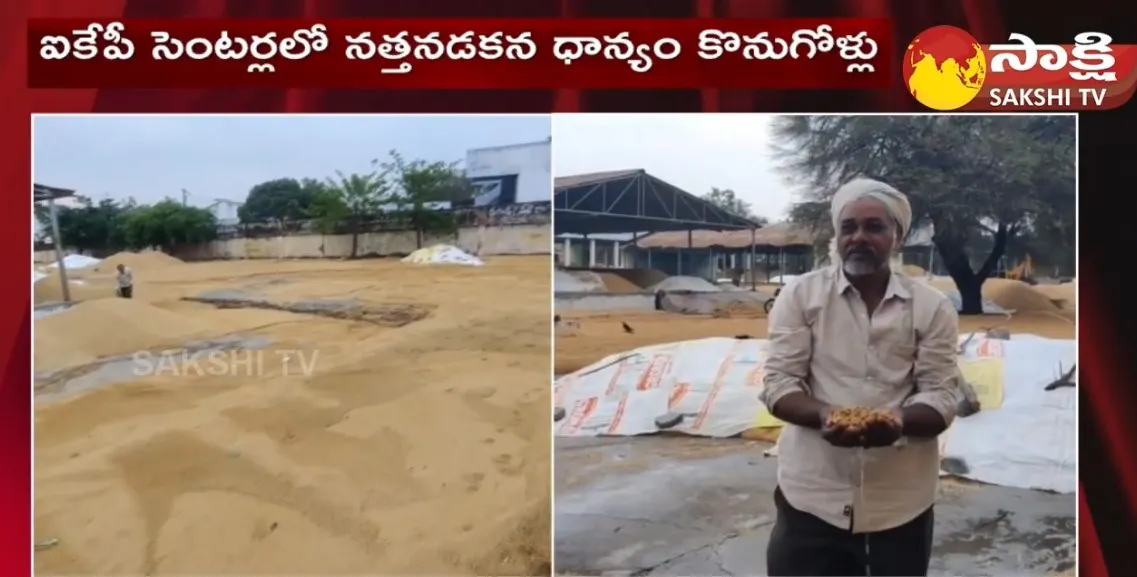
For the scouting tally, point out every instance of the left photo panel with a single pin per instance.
(292, 345)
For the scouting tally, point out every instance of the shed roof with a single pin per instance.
(632, 200)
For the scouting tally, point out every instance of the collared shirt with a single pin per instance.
(125, 278)
(824, 342)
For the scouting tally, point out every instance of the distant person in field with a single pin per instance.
(858, 500)
(125, 282)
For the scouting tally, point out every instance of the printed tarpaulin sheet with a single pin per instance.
(1023, 436)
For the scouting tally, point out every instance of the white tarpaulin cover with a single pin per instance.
(442, 254)
(1023, 437)
(77, 261)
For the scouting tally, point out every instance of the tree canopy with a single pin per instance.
(416, 184)
(168, 224)
(397, 189)
(279, 200)
(971, 178)
(727, 200)
(108, 225)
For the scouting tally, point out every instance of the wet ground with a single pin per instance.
(685, 506)
(52, 386)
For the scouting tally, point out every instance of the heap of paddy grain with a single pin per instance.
(1017, 296)
(109, 327)
(50, 288)
(1009, 294)
(137, 261)
(615, 283)
(97, 281)
(1062, 295)
(643, 277)
(524, 549)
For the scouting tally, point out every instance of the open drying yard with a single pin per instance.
(398, 424)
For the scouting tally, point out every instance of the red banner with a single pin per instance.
(839, 53)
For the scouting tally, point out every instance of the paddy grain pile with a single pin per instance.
(415, 450)
(615, 283)
(1017, 296)
(98, 281)
(50, 288)
(107, 327)
(139, 261)
(1064, 295)
(1010, 294)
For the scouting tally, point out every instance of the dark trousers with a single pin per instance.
(802, 544)
(126, 292)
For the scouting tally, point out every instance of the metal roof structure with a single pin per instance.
(42, 192)
(633, 200)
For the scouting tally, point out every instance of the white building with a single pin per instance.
(511, 174)
(225, 211)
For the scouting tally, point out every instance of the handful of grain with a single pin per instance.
(855, 419)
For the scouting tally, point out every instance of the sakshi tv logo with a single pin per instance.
(946, 69)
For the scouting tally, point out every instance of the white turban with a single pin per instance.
(894, 201)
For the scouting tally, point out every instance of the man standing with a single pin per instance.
(125, 282)
(856, 334)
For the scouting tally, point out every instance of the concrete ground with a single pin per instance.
(687, 506)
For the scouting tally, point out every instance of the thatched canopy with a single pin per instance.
(778, 235)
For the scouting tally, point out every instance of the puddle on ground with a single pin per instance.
(56, 385)
(388, 315)
(48, 309)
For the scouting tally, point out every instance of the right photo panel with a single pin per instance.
(815, 345)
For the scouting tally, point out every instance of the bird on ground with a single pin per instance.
(628, 329)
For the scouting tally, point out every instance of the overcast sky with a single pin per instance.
(153, 157)
(692, 151)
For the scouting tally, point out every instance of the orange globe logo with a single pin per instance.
(944, 68)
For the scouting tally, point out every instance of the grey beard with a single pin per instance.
(858, 267)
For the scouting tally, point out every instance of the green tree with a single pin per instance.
(328, 210)
(417, 183)
(967, 176)
(727, 200)
(90, 226)
(352, 199)
(278, 201)
(166, 225)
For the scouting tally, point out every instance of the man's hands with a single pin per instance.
(838, 433)
(861, 427)
(885, 430)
